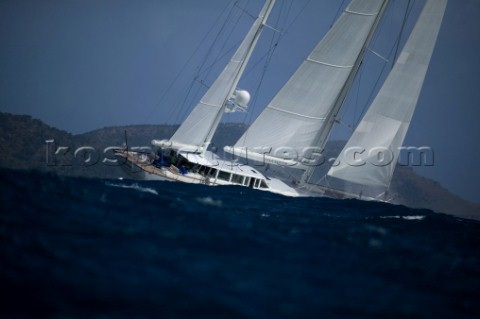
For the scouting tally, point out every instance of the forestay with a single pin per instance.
(301, 114)
(377, 139)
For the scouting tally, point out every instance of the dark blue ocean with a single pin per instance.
(84, 248)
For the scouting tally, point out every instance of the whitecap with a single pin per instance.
(409, 217)
(134, 186)
(417, 217)
(209, 201)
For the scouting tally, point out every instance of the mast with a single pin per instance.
(381, 132)
(257, 28)
(197, 130)
(324, 132)
(299, 117)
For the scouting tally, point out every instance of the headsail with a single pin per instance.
(378, 137)
(302, 113)
(198, 128)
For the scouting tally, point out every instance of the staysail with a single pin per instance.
(198, 128)
(301, 114)
(370, 156)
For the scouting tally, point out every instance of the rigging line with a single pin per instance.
(397, 43)
(289, 9)
(376, 36)
(184, 104)
(219, 58)
(177, 76)
(206, 71)
(273, 45)
(401, 31)
(216, 39)
(282, 34)
(378, 55)
(202, 69)
(244, 61)
(294, 19)
(269, 54)
(245, 11)
(179, 109)
(277, 26)
(229, 36)
(211, 65)
(249, 115)
(255, 65)
(355, 120)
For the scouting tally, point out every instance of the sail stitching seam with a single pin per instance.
(297, 114)
(208, 104)
(361, 13)
(329, 64)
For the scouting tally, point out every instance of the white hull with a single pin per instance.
(140, 166)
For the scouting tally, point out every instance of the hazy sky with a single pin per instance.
(80, 65)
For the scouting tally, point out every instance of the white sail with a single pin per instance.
(301, 114)
(198, 128)
(370, 156)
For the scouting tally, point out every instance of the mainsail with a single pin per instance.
(370, 156)
(302, 113)
(198, 128)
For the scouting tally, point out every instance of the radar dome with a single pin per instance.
(242, 97)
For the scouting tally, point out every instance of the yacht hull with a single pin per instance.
(142, 166)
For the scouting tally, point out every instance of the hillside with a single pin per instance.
(23, 146)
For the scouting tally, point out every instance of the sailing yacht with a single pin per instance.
(185, 156)
(293, 129)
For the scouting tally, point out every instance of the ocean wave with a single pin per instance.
(408, 217)
(134, 186)
(92, 248)
(209, 201)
